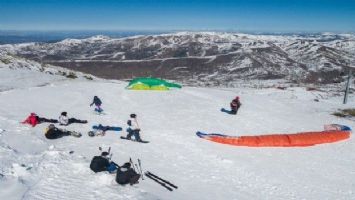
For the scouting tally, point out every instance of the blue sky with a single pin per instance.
(237, 15)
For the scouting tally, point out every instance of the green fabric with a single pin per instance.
(152, 82)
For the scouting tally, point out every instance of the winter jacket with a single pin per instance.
(99, 164)
(96, 101)
(133, 125)
(32, 119)
(235, 104)
(56, 133)
(63, 120)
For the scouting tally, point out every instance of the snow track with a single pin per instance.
(37, 168)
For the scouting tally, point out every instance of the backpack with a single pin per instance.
(129, 123)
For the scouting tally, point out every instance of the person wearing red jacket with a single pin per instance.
(235, 105)
(33, 120)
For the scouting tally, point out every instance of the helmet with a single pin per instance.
(33, 114)
(104, 154)
(91, 133)
(51, 126)
(126, 165)
(237, 97)
(133, 115)
(64, 113)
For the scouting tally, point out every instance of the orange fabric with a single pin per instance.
(284, 140)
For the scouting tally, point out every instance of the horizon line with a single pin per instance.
(172, 31)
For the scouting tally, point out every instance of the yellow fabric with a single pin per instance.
(159, 87)
(142, 86)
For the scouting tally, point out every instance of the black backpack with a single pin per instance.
(129, 123)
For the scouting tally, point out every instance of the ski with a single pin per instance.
(137, 168)
(140, 168)
(161, 179)
(132, 164)
(159, 182)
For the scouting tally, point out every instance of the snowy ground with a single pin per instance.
(33, 167)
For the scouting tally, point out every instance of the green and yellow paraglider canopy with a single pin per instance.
(150, 84)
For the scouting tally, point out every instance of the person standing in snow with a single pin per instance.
(97, 101)
(65, 121)
(103, 163)
(125, 174)
(133, 128)
(235, 105)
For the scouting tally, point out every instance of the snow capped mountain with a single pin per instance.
(216, 58)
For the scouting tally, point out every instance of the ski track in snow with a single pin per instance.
(37, 168)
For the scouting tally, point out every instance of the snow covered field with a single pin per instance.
(33, 167)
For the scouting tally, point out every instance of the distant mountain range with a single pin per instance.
(207, 57)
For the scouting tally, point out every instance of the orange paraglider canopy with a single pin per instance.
(333, 133)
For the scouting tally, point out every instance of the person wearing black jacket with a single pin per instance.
(53, 132)
(97, 101)
(102, 163)
(125, 174)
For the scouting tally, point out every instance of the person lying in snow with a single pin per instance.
(103, 163)
(133, 128)
(53, 132)
(125, 174)
(101, 130)
(235, 105)
(65, 121)
(97, 103)
(33, 120)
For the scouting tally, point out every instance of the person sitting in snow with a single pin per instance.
(133, 128)
(97, 103)
(125, 174)
(65, 121)
(235, 105)
(53, 132)
(103, 163)
(34, 119)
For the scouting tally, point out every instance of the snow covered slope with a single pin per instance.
(33, 167)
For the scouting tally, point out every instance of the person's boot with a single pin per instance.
(75, 134)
